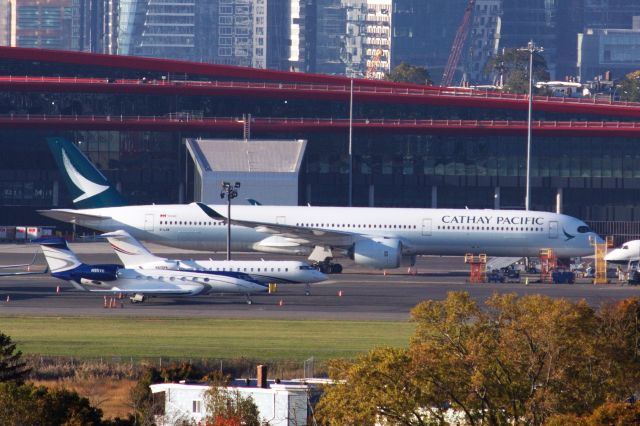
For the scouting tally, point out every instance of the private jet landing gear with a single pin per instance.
(307, 290)
(327, 267)
(249, 301)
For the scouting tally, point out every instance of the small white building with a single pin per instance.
(279, 404)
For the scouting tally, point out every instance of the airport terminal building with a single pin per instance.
(413, 146)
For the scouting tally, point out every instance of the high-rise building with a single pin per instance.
(610, 52)
(43, 23)
(423, 33)
(526, 20)
(483, 39)
(5, 23)
(615, 14)
(368, 38)
(327, 35)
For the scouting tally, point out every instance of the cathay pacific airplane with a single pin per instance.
(140, 283)
(382, 238)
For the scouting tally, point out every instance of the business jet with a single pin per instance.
(381, 238)
(113, 279)
(134, 255)
(629, 251)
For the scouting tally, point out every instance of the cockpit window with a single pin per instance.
(306, 268)
(583, 229)
(625, 247)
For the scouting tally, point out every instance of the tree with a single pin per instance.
(405, 73)
(610, 414)
(379, 387)
(28, 405)
(629, 89)
(516, 360)
(513, 65)
(228, 407)
(141, 397)
(12, 368)
(618, 337)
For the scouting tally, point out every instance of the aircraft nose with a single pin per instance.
(612, 255)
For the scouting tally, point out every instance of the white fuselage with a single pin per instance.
(624, 254)
(422, 231)
(167, 282)
(265, 271)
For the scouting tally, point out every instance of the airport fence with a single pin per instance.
(128, 367)
(621, 231)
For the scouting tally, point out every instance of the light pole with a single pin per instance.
(350, 198)
(531, 48)
(231, 192)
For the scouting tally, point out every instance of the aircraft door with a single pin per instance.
(426, 227)
(282, 220)
(148, 222)
(553, 229)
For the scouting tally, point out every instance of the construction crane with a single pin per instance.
(374, 64)
(458, 44)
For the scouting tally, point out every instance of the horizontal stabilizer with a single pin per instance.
(71, 216)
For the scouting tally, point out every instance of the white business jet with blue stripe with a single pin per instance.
(382, 238)
(112, 279)
(135, 255)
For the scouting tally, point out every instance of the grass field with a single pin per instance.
(94, 337)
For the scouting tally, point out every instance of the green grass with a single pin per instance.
(91, 337)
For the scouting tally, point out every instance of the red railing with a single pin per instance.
(426, 91)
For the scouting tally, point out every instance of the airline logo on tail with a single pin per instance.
(88, 188)
(86, 184)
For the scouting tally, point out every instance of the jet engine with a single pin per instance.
(380, 253)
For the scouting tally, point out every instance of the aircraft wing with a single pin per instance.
(143, 290)
(70, 215)
(20, 265)
(300, 235)
(14, 274)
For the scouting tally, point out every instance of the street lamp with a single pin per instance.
(230, 191)
(531, 48)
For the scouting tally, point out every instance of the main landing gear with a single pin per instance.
(327, 267)
(137, 298)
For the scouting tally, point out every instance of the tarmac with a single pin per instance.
(356, 294)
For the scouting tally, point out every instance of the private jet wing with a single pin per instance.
(13, 274)
(70, 215)
(151, 291)
(308, 236)
(20, 265)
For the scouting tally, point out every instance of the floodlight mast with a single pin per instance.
(531, 48)
(230, 191)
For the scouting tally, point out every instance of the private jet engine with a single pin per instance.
(380, 253)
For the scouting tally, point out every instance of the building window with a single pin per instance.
(196, 406)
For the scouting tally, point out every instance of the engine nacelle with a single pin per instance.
(380, 253)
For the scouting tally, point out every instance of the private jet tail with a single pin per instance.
(130, 251)
(58, 255)
(88, 187)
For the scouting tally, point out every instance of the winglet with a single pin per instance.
(210, 212)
